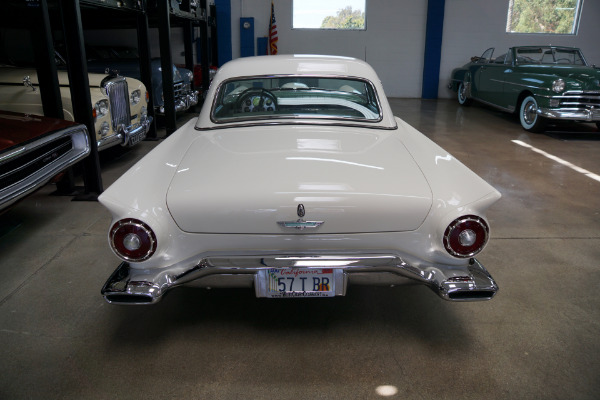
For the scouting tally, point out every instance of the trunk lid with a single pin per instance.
(249, 180)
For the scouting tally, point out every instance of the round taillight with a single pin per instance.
(466, 236)
(132, 240)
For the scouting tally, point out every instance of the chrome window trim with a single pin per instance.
(300, 121)
(240, 78)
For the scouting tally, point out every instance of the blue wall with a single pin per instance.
(224, 30)
(433, 49)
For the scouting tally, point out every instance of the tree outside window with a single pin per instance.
(544, 16)
(329, 14)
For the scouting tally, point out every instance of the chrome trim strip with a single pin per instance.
(12, 154)
(470, 282)
(80, 149)
(298, 122)
(583, 93)
(522, 85)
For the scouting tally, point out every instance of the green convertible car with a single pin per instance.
(537, 82)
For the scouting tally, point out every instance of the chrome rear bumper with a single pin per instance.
(456, 283)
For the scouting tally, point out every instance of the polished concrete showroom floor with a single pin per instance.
(539, 338)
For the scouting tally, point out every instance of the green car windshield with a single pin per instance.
(311, 97)
(549, 55)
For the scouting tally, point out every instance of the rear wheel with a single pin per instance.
(530, 119)
(463, 100)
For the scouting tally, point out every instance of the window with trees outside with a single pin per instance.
(544, 16)
(329, 14)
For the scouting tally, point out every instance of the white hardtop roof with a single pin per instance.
(296, 64)
(302, 64)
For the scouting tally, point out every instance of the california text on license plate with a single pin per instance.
(300, 282)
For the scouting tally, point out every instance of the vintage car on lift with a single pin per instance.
(540, 83)
(33, 150)
(297, 179)
(119, 104)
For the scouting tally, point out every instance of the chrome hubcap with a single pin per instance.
(461, 92)
(529, 113)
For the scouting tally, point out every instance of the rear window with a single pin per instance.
(263, 98)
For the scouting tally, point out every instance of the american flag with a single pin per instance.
(272, 32)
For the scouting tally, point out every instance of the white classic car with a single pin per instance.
(119, 104)
(296, 179)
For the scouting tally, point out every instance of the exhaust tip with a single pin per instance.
(128, 299)
(472, 295)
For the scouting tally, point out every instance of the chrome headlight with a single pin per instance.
(558, 85)
(101, 108)
(104, 128)
(190, 75)
(136, 95)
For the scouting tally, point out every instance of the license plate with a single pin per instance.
(133, 140)
(299, 282)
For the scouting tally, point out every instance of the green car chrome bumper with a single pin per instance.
(574, 114)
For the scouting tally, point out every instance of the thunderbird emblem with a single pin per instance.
(300, 223)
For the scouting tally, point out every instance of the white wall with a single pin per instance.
(471, 27)
(393, 42)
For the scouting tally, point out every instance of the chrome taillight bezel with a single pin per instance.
(124, 227)
(473, 223)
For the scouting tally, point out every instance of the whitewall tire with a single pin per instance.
(531, 121)
(463, 100)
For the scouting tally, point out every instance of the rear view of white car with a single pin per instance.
(297, 180)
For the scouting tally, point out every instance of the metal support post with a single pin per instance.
(80, 94)
(166, 58)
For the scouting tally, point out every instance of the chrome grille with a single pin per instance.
(118, 96)
(27, 164)
(579, 99)
(178, 89)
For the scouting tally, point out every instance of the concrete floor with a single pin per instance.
(538, 339)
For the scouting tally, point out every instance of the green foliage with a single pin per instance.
(542, 16)
(346, 18)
